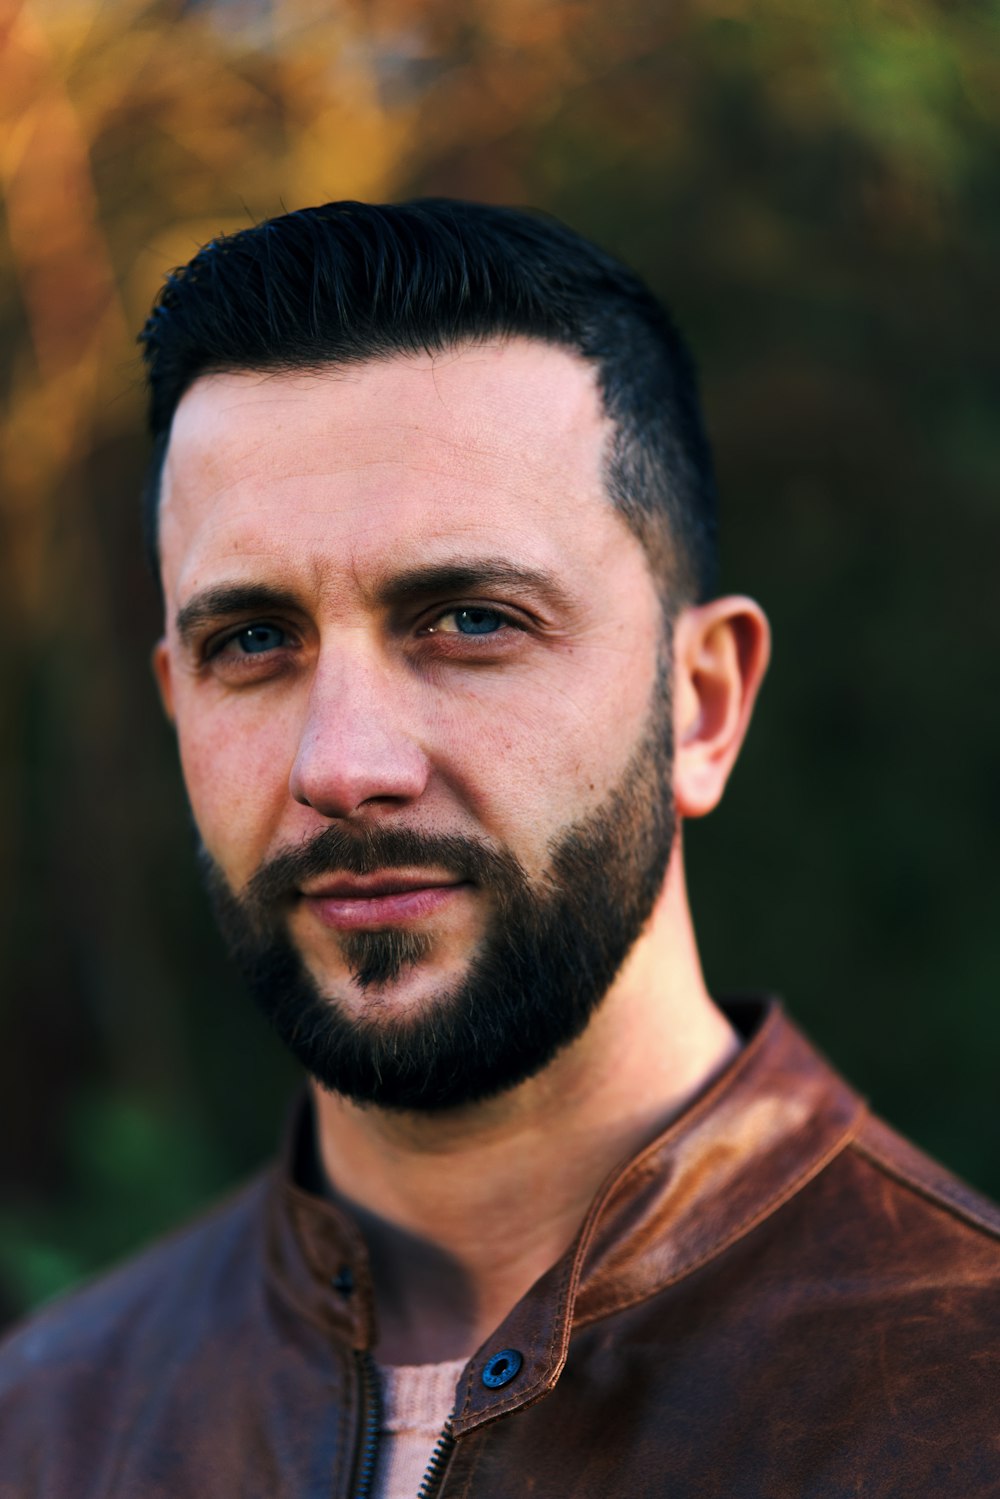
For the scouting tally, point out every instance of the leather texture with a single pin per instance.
(777, 1297)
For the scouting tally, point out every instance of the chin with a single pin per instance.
(417, 988)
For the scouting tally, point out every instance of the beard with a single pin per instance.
(551, 951)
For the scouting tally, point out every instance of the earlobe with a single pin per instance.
(721, 651)
(160, 663)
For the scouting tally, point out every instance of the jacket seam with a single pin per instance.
(324, 1323)
(524, 1395)
(703, 1105)
(924, 1189)
(349, 1416)
(743, 1228)
(473, 1460)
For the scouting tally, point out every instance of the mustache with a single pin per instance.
(368, 850)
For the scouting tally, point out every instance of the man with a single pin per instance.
(433, 512)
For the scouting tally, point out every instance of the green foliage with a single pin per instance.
(132, 1172)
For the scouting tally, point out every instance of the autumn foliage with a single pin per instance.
(814, 190)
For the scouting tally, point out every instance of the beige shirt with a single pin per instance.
(417, 1400)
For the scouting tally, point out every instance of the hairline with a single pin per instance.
(657, 539)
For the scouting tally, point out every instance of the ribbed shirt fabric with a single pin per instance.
(417, 1400)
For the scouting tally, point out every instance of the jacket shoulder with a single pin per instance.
(896, 1159)
(140, 1299)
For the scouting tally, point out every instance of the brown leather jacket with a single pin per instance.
(776, 1297)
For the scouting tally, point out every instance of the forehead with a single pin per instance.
(365, 466)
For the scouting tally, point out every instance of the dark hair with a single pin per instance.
(348, 282)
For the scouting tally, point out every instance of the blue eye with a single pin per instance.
(478, 621)
(257, 638)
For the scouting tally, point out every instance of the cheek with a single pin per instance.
(237, 784)
(529, 762)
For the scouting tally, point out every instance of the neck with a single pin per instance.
(464, 1211)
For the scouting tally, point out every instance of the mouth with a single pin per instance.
(355, 902)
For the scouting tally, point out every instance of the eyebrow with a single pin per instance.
(463, 575)
(228, 599)
(460, 576)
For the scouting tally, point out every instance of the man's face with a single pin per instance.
(417, 667)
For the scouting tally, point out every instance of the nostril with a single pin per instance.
(338, 773)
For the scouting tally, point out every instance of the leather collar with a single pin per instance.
(758, 1133)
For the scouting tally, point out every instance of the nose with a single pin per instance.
(355, 749)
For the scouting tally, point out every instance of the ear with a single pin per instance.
(721, 651)
(160, 663)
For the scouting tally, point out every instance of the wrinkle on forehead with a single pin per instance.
(518, 380)
(397, 453)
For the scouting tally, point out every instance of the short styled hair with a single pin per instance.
(345, 283)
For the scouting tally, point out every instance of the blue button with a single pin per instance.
(501, 1368)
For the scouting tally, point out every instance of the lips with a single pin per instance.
(350, 902)
(365, 887)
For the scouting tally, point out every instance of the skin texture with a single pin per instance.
(333, 492)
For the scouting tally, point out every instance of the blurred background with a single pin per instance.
(814, 191)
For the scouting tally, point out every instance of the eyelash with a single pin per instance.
(506, 618)
(214, 647)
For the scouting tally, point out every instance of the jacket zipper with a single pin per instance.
(371, 1397)
(372, 1400)
(434, 1476)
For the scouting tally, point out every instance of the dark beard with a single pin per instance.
(548, 959)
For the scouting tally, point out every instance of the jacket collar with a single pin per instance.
(763, 1129)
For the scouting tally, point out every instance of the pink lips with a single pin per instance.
(350, 902)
